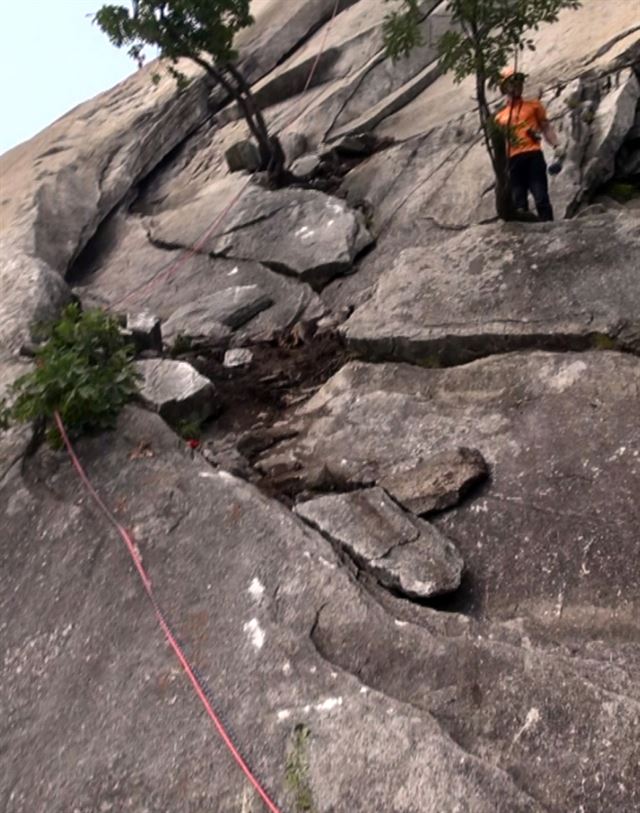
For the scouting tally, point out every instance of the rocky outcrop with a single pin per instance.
(124, 269)
(554, 429)
(493, 289)
(486, 660)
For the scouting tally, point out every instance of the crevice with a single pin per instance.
(446, 728)
(141, 189)
(610, 43)
(454, 351)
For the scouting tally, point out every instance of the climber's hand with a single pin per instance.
(558, 161)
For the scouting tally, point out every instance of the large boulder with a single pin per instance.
(492, 289)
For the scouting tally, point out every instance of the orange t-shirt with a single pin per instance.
(524, 115)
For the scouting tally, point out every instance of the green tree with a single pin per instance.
(485, 36)
(203, 31)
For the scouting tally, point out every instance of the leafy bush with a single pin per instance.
(83, 371)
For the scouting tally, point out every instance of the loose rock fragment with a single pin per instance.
(403, 552)
(239, 357)
(176, 390)
(438, 482)
(145, 331)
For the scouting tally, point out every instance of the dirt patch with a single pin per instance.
(259, 401)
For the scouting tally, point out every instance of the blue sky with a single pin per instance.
(51, 58)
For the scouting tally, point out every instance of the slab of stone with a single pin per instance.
(298, 232)
(216, 315)
(175, 390)
(491, 289)
(438, 482)
(126, 269)
(404, 553)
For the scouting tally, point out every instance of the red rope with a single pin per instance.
(187, 254)
(179, 652)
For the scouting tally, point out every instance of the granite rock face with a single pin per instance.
(494, 288)
(246, 599)
(486, 661)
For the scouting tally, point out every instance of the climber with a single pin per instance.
(526, 122)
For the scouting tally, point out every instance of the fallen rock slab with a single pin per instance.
(491, 289)
(439, 482)
(404, 553)
(216, 315)
(176, 390)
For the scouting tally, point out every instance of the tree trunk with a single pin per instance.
(504, 201)
(496, 145)
(272, 158)
(271, 152)
(494, 139)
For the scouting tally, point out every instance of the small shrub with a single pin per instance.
(297, 770)
(189, 429)
(83, 371)
(623, 192)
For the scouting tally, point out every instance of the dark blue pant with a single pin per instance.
(528, 172)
